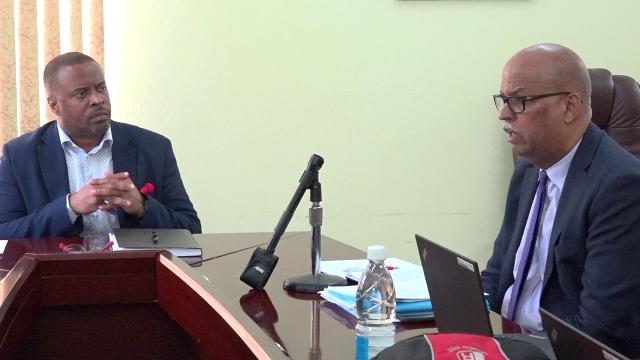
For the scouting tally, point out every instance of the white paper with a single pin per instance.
(408, 278)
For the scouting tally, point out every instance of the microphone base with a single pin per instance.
(312, 283)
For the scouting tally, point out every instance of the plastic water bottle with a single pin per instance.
(368, 346)
(376, 306)
(376, 295)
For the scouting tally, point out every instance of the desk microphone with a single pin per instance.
(263, 261)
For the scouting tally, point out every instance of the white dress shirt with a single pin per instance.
(83, 166)
(527, 311)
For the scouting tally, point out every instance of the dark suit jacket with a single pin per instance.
(592, 275)
(34, 183)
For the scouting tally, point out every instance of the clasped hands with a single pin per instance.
(108, 193)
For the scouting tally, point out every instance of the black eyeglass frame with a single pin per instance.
(523, 99)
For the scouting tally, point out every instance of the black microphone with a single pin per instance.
(263, 261)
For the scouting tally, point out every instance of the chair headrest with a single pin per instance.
(615, 103)
(601, 96)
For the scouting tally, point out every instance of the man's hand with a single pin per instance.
(108, 193)
(86, 200)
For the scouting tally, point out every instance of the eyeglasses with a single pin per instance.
(516, 103)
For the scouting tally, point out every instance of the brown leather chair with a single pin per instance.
(615, 101)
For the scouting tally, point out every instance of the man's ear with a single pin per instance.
(573, 107)
(53, 105)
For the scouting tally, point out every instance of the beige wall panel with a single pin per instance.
(50, 42)
(96, 31)
(8, 110)
(75, 25)
(51, 30)
(28, 109)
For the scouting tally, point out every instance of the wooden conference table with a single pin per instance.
(272, 323)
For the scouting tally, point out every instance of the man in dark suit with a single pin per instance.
(85, 174)
(570, 237)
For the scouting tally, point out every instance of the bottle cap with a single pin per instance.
(375, 252)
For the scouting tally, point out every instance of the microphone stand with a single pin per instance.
(315, 353)
(314, 282)
(263, 261)
(315, 219)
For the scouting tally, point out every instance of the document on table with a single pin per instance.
(412, 296)
(408, 278)
(406, 310)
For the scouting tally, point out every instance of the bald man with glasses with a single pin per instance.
(570, 236)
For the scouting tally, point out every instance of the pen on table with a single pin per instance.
(107, 246)
(355, 269)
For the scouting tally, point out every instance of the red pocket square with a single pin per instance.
(147, 189)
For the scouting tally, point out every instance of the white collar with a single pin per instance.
(558, 172)
(64, 138)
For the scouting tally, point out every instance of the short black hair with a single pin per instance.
(66, 59)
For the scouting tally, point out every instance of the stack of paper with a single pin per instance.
(412, 296)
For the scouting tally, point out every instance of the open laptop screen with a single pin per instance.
(455, 288)
(571, 343)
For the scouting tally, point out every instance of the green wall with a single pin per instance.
(395, 95)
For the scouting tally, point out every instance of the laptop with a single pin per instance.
(571, 343)
(179, 242)
(455, 289)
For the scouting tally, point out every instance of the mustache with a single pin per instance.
(101, 111)
(509, 129)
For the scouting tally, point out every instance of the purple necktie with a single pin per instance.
(529, 245)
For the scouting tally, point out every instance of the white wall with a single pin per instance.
(396, 95)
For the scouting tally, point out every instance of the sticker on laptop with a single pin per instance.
(465, 264)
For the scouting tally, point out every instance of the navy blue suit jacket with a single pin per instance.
(34, 183)
(592, 275)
